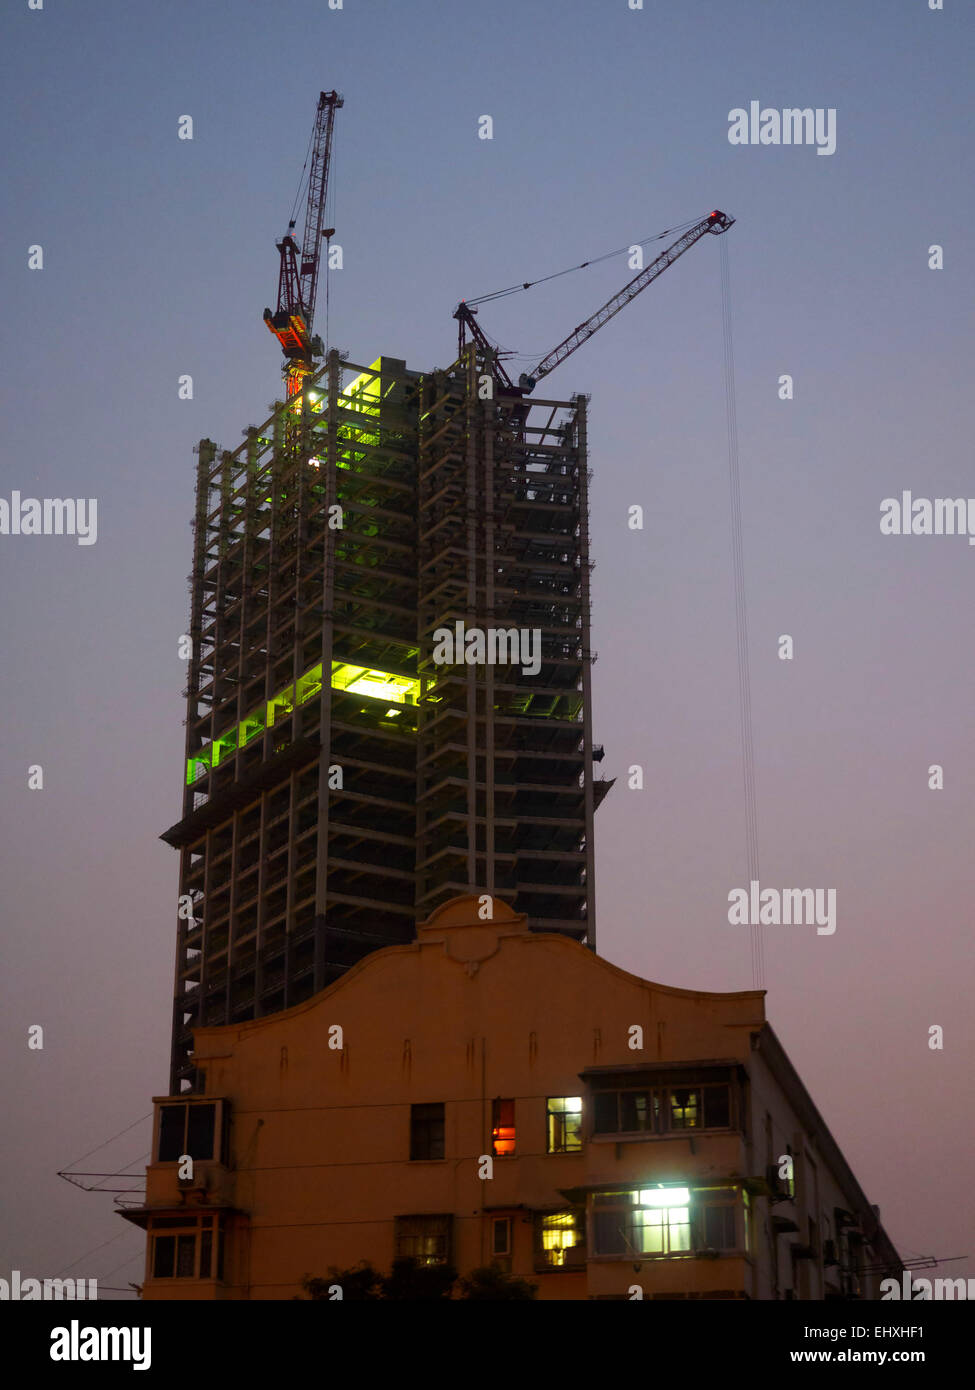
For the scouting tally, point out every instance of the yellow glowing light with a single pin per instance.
(379, 685)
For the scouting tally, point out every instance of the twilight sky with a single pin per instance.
(609, 125)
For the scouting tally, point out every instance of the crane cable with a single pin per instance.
(302, 177)
(741, 620)
(329, 202)
(595, 260)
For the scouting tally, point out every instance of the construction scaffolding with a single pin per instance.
(341, 779)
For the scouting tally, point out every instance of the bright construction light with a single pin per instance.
(665, 1197)
(370, 685)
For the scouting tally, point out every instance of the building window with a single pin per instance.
(425, 1239)
(426, 1131)
(564, 1124)
(503, 1128)
(717, 1107)
(662, 1111)
(185, 1253)
(560, 1240)
(718, 1228)
(654, 1221)
(187, 1128)
(639, 1110)
(501, 1235)
(685, 1109)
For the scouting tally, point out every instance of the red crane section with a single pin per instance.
(293, 320)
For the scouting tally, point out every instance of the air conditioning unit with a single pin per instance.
(779, 1187)
(197, 1183)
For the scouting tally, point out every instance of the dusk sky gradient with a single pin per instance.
(609, 126)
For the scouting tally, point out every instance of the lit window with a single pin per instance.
(663, 1230)
(655, 1221)
(564, 1124)
(560, 1240)
(685, 1109)
(503, 1128)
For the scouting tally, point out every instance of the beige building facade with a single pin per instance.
(491, 1094)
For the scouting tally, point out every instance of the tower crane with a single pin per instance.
(292, 322)
(715, 223)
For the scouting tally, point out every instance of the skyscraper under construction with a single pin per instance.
(388, 700)
(342, 778)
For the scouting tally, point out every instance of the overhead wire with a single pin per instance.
(120, 1173)
(66, 1171)
(105, 1143)
(111, 1241)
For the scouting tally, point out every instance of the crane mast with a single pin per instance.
(293, 320)
(715, 223)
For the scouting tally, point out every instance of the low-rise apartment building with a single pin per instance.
(491, 1094)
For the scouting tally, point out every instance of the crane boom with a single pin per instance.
(328, 104)
(715, 223)
(298, 273)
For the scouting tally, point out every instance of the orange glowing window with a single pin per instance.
(503, 1128)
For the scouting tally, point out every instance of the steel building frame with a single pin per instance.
(340, 782)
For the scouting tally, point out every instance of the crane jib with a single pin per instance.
(715, 223)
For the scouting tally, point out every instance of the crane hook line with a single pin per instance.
(757, 942)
